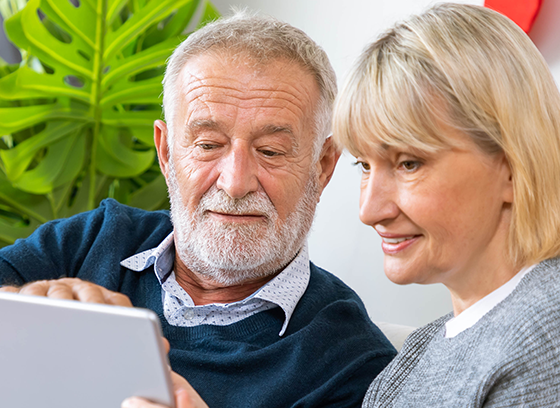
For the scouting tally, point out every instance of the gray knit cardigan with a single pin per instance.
(509, 358)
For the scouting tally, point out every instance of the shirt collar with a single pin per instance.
(471, 315)
(162, 257)
(285, 290)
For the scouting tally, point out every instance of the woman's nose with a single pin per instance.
(377, 198)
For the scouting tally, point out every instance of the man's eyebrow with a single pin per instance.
(271, 129)
(207, 124)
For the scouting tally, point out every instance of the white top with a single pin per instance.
(470, 316)
(285, 290)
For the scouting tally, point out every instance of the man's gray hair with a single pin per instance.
(263, 39)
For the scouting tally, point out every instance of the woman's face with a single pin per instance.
(441, 216)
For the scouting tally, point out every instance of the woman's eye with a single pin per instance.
(365, 167)
(410, 165)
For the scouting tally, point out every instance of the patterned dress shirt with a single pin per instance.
(284, 291)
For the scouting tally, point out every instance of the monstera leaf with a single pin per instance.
(77, 113)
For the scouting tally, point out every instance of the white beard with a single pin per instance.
(230, 253)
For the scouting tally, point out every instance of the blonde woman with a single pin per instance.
(454, 119)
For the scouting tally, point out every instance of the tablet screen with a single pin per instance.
(68, 354)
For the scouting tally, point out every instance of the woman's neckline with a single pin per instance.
(470, 316)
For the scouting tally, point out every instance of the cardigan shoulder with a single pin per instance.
(510, 357)
(83, 245)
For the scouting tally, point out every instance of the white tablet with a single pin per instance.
(68, 354)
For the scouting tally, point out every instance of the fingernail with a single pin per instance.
(127, 403)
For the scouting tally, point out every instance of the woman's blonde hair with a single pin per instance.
(473, 69)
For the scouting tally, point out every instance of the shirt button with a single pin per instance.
(189, 314)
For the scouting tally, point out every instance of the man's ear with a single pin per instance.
(160, 140)
(327, 162)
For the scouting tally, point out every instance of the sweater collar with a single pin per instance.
(285, 290)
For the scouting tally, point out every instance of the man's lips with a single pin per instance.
(241, 218)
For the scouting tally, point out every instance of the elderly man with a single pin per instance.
(250, 321)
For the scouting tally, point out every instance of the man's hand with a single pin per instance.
(185, 397)
(73, 289)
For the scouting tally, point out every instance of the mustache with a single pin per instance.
(254, 203)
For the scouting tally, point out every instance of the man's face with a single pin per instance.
(242, 181)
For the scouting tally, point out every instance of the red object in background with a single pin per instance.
(523, 12)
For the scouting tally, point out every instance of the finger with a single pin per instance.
(188, 399)
(182, 399)
(165, 344)
(135, 402)
(11, 289)
(92, 293)
(88, 292)
(39, 288)
(179, 382)
(115, 298)
(59, 290)
(49, 288)
(181, 387)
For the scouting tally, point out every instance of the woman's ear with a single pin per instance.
(507, 180)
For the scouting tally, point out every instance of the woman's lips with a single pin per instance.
(395, 244)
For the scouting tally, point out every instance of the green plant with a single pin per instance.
(76, 115)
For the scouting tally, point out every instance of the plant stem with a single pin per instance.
(96, 95)
(50, 197)
(22, 209)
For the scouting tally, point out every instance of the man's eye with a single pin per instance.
(269, 153)
(207, 146)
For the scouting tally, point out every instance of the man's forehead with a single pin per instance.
(244, 74)
(278, 88)
(208, 64)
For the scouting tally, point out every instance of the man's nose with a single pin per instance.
(238, 172)
(377, 198)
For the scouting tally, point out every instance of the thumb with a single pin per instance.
(185, 394)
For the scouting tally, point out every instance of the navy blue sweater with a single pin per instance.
(327, 358)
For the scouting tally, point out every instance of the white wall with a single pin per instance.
(339, 242)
